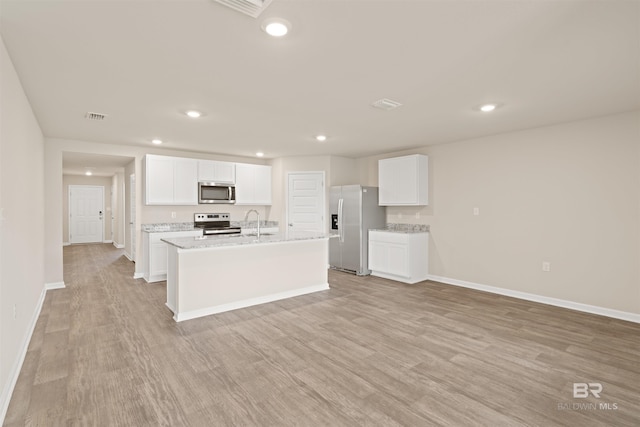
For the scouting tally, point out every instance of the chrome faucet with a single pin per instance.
(258, 215)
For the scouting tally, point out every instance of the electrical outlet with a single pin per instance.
(15, 310)
(476, 211)
(546, 266)
(418, 215)
(173, 215)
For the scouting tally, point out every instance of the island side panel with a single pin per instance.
(172, 277)
(224, 278)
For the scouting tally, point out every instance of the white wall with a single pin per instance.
(568, 194)
(21, 225)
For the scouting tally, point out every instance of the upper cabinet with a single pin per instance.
(174, 180)
(158, 180)
(170, 180)
(253, 184)
(218, 172)
(403, 181)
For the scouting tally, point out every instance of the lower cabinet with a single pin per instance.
(399, 256)
(154, 253)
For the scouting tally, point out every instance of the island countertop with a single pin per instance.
(246, 239)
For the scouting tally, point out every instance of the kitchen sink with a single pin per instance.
(250, 235)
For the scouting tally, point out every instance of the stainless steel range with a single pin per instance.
(214, 224)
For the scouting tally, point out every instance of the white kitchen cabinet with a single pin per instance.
(253, 184)
(403, 181)
(399, 256)
(154, 253)
(185, 182)
(170, 180)
(215, 171)
(159, 180)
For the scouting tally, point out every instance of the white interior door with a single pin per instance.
(86, 214)
(132, 215)
(112, 213)
(305, 201)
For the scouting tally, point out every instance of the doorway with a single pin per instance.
(132, 215)
(306, 201)
(86, 214)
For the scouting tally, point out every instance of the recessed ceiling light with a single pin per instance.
(487, 108)
(276, 27)
(156, 141)
(193, 114)
(259, 154)
(321, 138)
(88, 173)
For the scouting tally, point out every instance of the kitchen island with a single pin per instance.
(216, 274)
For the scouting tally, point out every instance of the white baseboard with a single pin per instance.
(117, 245)
(602, 311)
(55, 285)
(397, 278)
(5, 398)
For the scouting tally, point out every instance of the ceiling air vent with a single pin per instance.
(95, 116)
(386, 104)
(252, 8)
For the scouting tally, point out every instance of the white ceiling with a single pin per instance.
(145, 62)
(98, 164)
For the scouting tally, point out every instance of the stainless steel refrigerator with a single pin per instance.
(353, 211)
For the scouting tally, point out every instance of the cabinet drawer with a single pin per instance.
(388, 237)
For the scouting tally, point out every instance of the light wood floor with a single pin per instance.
(106, 352)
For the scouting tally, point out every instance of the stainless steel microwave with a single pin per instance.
(211, 192)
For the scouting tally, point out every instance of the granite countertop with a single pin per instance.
(188, 226)
(239, 239)
(168, 226)
(252, 224)
(404, 228)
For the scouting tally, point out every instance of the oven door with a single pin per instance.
(230, 231)
(210, 192)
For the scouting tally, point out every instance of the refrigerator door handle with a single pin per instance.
(340, 228)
